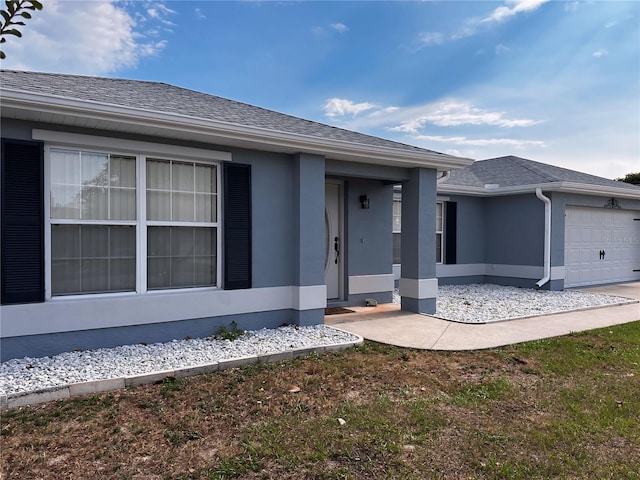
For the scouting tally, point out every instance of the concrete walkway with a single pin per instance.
(388, 324)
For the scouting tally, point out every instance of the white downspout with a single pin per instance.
(547, 237)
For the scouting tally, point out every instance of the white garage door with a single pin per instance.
(602, 245)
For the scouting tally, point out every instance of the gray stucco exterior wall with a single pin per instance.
(500, 240)
(514, 230)
(418, 284)
(55, 343)
(369, 232)
(418, 225)
(308, 229)
(273, 191)
(369, 237)
(308, 223)
(471, 220)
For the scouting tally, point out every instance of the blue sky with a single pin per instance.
(552, 81)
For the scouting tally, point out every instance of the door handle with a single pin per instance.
(336, 247)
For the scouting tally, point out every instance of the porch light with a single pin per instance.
(364, 201)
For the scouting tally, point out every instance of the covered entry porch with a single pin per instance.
(358, 240)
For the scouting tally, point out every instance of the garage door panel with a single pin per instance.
(589, 231)
(572, 256)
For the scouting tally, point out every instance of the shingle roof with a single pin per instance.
(511, 171)
(165, 98)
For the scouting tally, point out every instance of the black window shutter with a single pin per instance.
(450, 232)
(22, 222)
(237, 226)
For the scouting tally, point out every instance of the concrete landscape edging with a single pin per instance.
(21, 399)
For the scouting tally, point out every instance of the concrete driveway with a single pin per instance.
(388, 324)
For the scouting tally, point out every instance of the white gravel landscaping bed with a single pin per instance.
(459, 303)
(32, 374)
(483, 303)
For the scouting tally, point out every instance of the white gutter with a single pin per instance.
(565, 187)
(547, 237)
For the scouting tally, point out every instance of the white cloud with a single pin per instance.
(473, 25)
(322, 31)
(430, 38)
(452, 113)
(339, 27)
(571, 6)
(503, 12)
(159, 11)
(199, 14)
(611, 24)
(469, 29)
(338, 107)
(501, 49)
(96, 37)
(483, 142)
(600, 53)
(383, 111)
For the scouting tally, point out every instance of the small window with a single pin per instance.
(439, 236)
(397, 227)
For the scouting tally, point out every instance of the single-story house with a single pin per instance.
(137, 211)
(513, 221)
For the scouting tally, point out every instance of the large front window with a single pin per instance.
(100, 228)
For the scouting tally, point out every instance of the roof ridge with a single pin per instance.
(532, 166)
(78, 75)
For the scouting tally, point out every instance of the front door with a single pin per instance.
(333, 241)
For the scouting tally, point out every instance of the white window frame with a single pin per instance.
(165, 223)
(397, 199)
(441, 232)
(63, 221)
(141, 151)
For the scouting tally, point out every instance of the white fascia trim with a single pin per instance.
(419, 289)
(260, 136)
(564, 187)
(133, 146)
(120, 310)
(359, 284)
(309, 297)
(597, 190)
